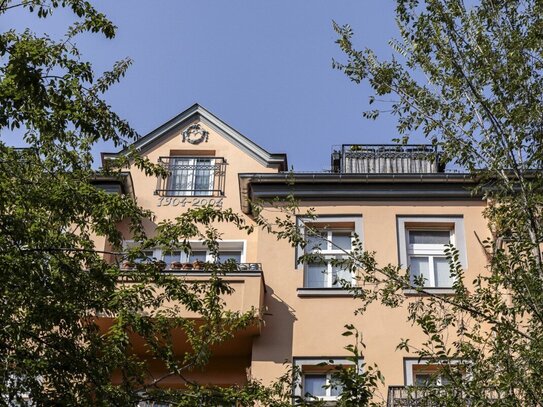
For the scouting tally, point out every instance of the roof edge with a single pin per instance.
(356, 187)
(269, 160)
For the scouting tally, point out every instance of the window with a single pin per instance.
(191, 176)
(422, 244)
(330, 244)
(230, 256)
(430, 378)
(320, 386)
(316, 379)
(426, 256)
(200, 254)
(170, 257)
(229, 251)
(146, 256)
(422, 373)
(329, 238)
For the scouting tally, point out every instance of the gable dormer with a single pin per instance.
(203, 156)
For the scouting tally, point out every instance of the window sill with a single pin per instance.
(324, 292)
(430, 290)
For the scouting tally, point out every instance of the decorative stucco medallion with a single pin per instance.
(194, 134)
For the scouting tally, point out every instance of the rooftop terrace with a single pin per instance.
(386, 159)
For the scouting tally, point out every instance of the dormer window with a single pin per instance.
(192, 176)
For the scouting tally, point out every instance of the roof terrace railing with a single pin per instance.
(386, 159)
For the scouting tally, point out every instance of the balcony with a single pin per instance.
(230, 359)
(192, 176)
(386, 159)
(412, 396)
(246, 279)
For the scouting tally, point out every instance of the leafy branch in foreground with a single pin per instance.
(71, 316)
(469, 78)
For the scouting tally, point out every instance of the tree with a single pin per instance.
(54, 280)
(469, 77)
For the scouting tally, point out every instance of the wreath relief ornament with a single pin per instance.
(194, 134)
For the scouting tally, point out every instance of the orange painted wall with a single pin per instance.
(295, 326)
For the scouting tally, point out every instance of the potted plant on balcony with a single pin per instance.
(187, 266)
(198, 265)
(161, 265)
(176, 265)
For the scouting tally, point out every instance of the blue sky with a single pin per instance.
(262, 66)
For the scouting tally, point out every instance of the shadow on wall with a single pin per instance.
(275, 341)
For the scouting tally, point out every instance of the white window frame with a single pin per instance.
(191, 183)
(304, 362)
(331, 252)
(437, 377)
(428, 251)
(410, 363)
(453, 223)
(356, 220)
(224, 246)
(328, 390)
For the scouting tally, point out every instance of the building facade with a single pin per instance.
(399, 201)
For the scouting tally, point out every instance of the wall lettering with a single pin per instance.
(189, 202)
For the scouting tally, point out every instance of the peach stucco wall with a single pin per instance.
(300, 326)
(237, 162)
(312, 326)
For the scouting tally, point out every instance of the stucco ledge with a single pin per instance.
(429, 291)
(324, 292)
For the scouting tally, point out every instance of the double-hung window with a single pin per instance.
(423, 241)
(315, 378)
(429, 377)
(191, 176)
(426, 256)
(328, 245)
(423, 373)
(321, 386)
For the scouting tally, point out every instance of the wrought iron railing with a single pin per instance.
(192, 176)
(414, 396)
(199, 267)
(386, 159)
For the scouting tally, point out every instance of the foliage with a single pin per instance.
(358, 383)
(469, 77)
(54, 280)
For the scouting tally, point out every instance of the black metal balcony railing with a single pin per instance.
(200, 267)
(386, 159)
(192, 176)
(413, 396)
